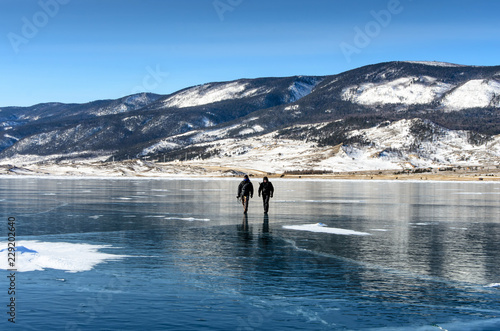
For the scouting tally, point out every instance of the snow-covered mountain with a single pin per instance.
(121, 127)
(411, 90)
(387, 115)
(403, 144)
(475, 93)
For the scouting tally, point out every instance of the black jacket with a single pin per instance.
(266, 188)
(245, 189)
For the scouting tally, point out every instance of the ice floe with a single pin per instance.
(34, 255)
(189, 219)
(321, 227)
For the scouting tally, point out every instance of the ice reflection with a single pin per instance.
(432, 249)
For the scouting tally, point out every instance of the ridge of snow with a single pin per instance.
(11, 137)
(437, 63)
(132, 102)
(207, 122)
(395, 135)
(137, 99)
(391, 146)
(410, 90)
(445, 147)
(474, 93)
(210, 93)
(214, 134)
(299, 90)
(254, 129)
(161, 146)
(292, 107)
(26, 159)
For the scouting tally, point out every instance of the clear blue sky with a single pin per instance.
(84, 50)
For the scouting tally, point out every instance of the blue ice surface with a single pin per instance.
(21, 249)
(423, 273)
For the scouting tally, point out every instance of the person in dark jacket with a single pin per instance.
(245, 191)
(267, 190)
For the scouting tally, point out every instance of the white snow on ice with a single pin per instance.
(334, 201)
(320, 227)
(189, 219)
(34, 255)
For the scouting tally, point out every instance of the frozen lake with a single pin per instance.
(165, 254)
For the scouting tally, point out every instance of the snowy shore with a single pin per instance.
(139, 168)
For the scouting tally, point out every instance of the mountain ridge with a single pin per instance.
(327, 110)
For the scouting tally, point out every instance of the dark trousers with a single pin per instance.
(265, 200)
(244, 202)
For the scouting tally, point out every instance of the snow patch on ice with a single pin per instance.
(35, 255)
(334, 201)
(189, 219)
(321, 227)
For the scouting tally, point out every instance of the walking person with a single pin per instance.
(267, 190)
(245, 191)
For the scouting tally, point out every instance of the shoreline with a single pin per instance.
(141, 169)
